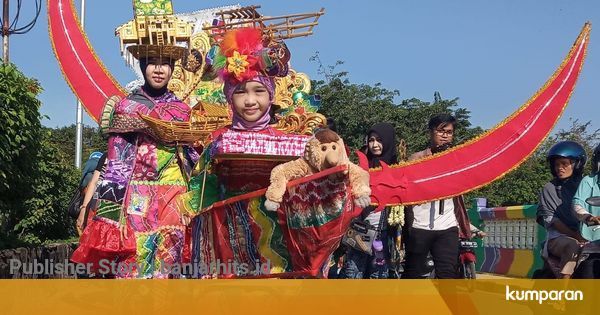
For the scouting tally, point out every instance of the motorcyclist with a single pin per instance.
(590, 216)
(566, 161)
(589, 187)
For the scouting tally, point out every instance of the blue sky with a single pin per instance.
(493, 55)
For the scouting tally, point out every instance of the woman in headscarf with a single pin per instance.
(381, 147)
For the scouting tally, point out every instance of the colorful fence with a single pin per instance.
(513, 242)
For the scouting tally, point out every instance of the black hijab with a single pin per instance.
(389, 154)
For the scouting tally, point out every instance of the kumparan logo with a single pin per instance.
(543, 295)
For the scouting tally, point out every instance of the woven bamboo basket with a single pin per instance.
(196, 131)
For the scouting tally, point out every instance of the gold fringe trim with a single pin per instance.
(582, 35)
(73, 10)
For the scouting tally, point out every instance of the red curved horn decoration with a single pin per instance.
(84, 72)
(490, 156)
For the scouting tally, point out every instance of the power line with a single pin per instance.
(26, 28)
(12, 27)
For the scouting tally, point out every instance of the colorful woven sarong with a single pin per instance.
(237, 237)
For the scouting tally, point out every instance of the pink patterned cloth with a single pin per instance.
(233, 141)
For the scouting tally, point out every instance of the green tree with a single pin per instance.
(413, 116)
(35, 185)
(356, 107)
(43, 214)
(20, 125)
(64, 139)
(520, 186)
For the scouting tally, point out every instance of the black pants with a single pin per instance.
(443, 246)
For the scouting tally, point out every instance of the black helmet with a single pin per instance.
(571, 150)
(596, 160)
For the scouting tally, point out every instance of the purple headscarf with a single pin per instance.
(238, 122)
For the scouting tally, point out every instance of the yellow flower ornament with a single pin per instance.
(237, 64)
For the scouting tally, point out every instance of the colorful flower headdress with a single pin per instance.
(245, 53)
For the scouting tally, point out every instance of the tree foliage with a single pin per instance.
(35, 183)
(356, 107)
(64, 139)
(20, 125)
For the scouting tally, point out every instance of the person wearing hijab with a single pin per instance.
(243, 62)
(249, 87)
(137, 223)
(381, 147)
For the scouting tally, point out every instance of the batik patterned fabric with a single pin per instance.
(142, 180)
(239, 238)
(245, 175)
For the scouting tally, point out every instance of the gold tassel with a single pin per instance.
(396, 215)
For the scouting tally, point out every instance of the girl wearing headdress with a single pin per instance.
(247, 62)
(242, 60)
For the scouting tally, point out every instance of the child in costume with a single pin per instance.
(247, 62)
(247, 65)
(137, 221)
(247, 68)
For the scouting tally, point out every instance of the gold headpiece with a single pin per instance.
(155, 31)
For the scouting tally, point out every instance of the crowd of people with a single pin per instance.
(130, 210)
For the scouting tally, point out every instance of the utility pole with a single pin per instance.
(79, 125)
(5, 31)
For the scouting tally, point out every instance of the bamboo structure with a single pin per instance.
(282, 27)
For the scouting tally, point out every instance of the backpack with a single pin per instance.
(75, 204)
(78, 195)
